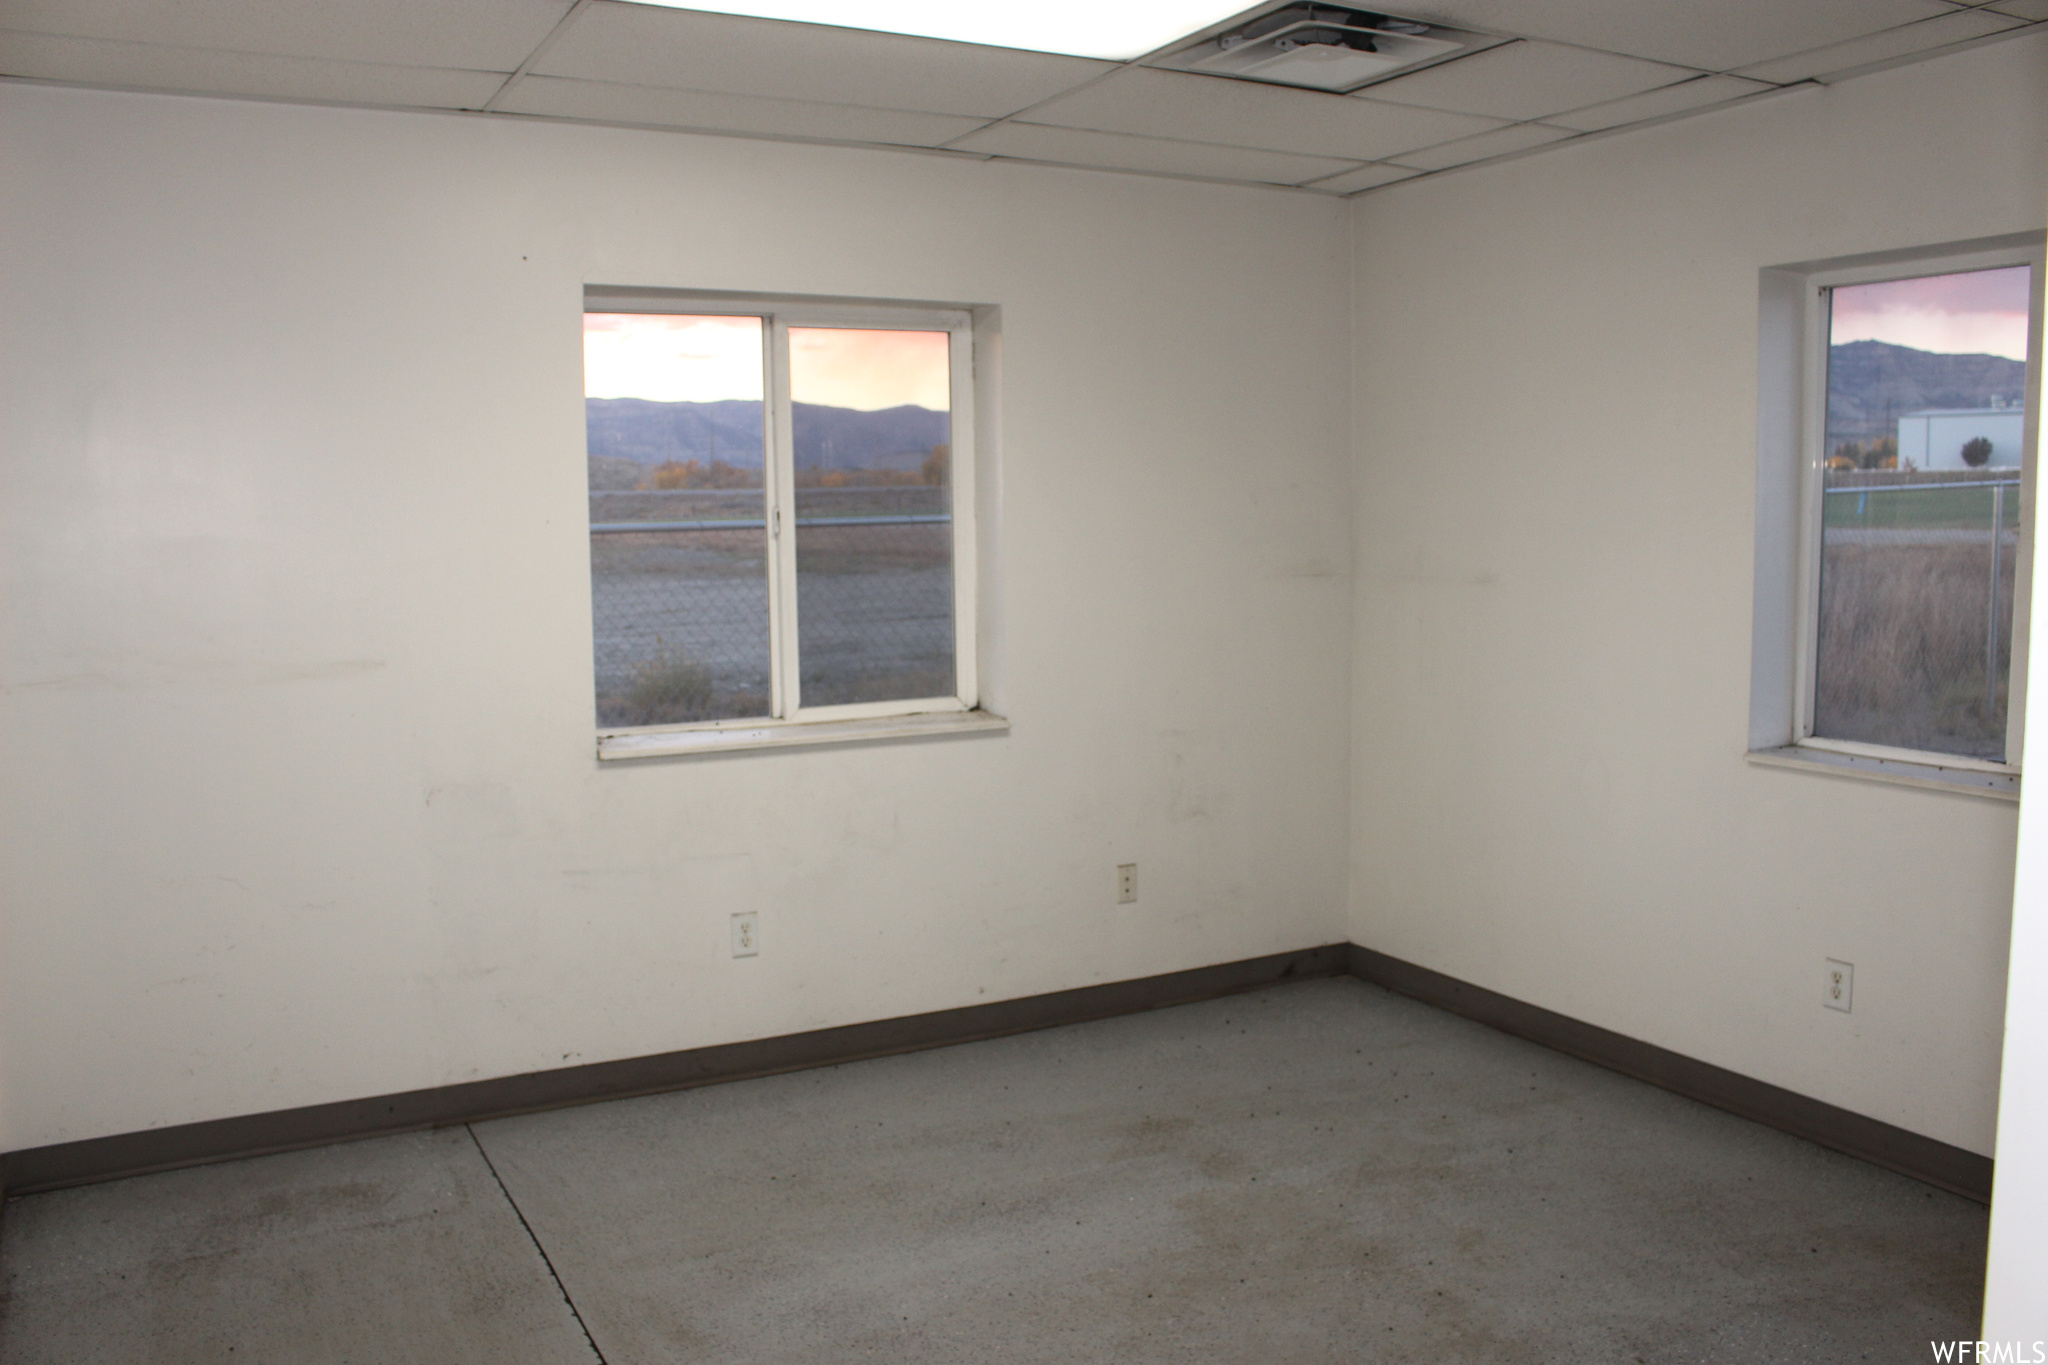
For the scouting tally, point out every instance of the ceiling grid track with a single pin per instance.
(1183, 109)
(490, 106)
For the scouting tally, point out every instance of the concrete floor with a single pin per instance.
(1317, 1172)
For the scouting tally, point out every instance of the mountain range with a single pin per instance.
(1873, 383)
(650, 433)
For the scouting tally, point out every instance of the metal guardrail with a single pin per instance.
(607, 528)
(755, 490)
(1922, 487)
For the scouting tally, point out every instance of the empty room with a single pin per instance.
(933, 683)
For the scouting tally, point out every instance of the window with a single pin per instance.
(782, 542)
(1893, 568)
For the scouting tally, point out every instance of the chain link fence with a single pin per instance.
(679, 600)
(1914, 643)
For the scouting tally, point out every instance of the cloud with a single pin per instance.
(671, 359)
(674, 358)
(1975, 312)
(851, 368)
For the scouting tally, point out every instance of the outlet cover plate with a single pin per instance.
(1841, 990)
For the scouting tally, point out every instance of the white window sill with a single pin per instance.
(1965, 781)
(731, 737)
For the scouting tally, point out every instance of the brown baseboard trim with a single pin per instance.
(1923, 1158)
(192, 1144)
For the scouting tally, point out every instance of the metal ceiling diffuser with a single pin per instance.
(1318, 48)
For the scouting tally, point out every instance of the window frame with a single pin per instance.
(1793, 357)
(790, 722)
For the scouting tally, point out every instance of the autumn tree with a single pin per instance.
(693, 474)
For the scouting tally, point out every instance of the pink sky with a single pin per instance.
(671, 359)
(868, 370)
(1978, 312)
(685, 359)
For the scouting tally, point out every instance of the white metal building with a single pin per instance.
(1934, 438)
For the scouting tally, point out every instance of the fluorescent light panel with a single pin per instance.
(1074, 28)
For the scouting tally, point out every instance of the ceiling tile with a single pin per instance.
(1711, 37)
(2033, 11)
(482, 35)
(150, 66)
(1526, 80)
(1364, 178)
(696, 109)
(688, 50)
(1498, 143)
(1118, 151)
(1243, 114)
(1672, 99)
(1955, 27)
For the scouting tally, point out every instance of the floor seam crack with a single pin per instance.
(533, 1237)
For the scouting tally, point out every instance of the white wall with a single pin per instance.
(2015, 1306)
(1556, 444)
(297, 774)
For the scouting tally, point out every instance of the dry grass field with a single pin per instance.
(1904, 617)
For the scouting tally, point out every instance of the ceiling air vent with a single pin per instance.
(1316, 47)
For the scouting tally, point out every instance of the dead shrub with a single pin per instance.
(668, 688)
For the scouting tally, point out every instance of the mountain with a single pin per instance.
(649, 433)
(1872, 383)
(845, 438)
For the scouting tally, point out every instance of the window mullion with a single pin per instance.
(779, 470)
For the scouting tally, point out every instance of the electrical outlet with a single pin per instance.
(746, 934)
(1841, 985)
(1126, 883)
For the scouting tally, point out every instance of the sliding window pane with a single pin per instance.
(1920, 511)
(678, 542)
(871, 423)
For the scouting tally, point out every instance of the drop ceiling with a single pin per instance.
(1534, 75)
